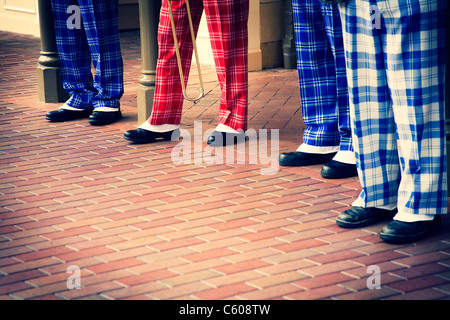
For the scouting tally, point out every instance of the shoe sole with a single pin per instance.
(64, 120)
(331, 176)
(300, 164)
(363, 223)
(401, 239)
(164, 138)
(305, 163)
(139, 140)
(215, 145)
(408, 239)
(358, 224)
(103, 123)
(71, 115)
(236, 141)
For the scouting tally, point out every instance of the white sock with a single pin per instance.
(106, 109)
(65, 106)
(158, 127)
(347, 157)
(319, 150)
(224, 128)
(411, 217)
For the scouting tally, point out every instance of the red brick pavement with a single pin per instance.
(140, 226)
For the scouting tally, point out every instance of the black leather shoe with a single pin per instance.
(297, 158)
(221, 139)
(67, 115)
(357, 217)
(405, 232)
(338, 170)
(101, 118)
(140, 135)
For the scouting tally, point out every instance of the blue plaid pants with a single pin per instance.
(322, 75)
(395, 53)
(94, 41)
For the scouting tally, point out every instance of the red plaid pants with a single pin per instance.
(227, 26)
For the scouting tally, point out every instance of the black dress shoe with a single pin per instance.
(67, 115)
(221, 139)
(406, 232)
(297, 158)
(140, 135)
(101, 118)
(357, 217)
(338, 170)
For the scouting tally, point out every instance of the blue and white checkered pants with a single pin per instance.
(395, 53)
(95, 40)
(322, 75)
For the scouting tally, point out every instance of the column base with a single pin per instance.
(145, 97)
(50, 85)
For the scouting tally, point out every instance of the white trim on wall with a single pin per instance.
(19, 9)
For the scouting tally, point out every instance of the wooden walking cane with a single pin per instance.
(180, 69)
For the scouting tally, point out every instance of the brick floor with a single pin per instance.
(140, 226)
